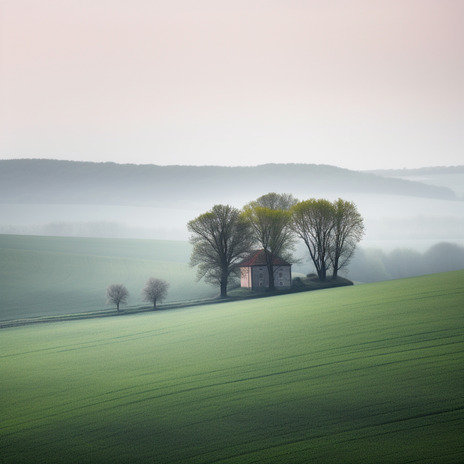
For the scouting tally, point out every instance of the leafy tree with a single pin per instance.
(330, 232)
(221, 238)
(347, 231)
(270, 220)
(155, 290)
(116, 294)
(313, 222)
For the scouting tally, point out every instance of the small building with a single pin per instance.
(254, 274)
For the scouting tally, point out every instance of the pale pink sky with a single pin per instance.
(360, 84)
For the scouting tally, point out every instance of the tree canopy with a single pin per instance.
(270, 220)
(155, 291)
(330, 231)
(348, 230)
(313, 223)
(116, 294)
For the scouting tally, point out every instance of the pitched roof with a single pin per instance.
(258, 258)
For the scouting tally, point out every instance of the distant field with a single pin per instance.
(61, 275)
(370, 373)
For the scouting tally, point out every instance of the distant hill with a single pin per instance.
(65, 182)
(451, 177)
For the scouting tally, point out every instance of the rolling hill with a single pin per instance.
(60, 275)
(369, 373)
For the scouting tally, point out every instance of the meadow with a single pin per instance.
(61, 275)
(368, 373)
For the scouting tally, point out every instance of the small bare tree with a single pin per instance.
(116, 294)
(155, 290)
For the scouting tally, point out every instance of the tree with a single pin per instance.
(277, 201)
(270, 220)
(221, 238)
(313, 222)
(155, 290)
(116, 294)
(347, 231)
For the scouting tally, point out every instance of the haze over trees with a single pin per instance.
(155, 291)
(117, 294)
(221, 238)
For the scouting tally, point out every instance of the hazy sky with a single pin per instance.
(359, 84)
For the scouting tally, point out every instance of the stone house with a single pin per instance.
(254, 274)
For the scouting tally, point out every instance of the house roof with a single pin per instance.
(258, 258)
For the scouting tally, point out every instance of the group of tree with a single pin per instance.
(155, 291)
(224, 236)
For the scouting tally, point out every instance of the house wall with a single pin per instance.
(283, 276)
(259, 277)
(245, 277)
(256, 277)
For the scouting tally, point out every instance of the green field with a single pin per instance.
(370, 373)
(61, 275)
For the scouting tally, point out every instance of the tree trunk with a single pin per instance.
(335, 273)
(154, 303)
(271, 281)
(270, 271)
(117, 306)
(224, 280)
(223, 289)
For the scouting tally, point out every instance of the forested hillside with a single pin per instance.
(49, 181)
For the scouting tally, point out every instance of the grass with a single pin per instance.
(368, 373)
(47, 276)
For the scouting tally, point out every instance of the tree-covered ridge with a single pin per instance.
(52, 181)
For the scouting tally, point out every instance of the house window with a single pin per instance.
(281, 284)
(280, 275)
(261, 275)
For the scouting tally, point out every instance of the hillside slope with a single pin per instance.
(370, 373)
(53, 275)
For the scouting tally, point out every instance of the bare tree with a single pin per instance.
(221, 238)
(155, 290)
(116, 294)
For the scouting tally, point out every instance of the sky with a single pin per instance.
(359, 84)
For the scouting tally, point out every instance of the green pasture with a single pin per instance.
(363, 374)
(61, 275)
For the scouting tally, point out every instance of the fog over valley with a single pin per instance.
(413, 209)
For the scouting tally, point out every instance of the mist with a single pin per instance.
(404, 218)
(373, 264)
